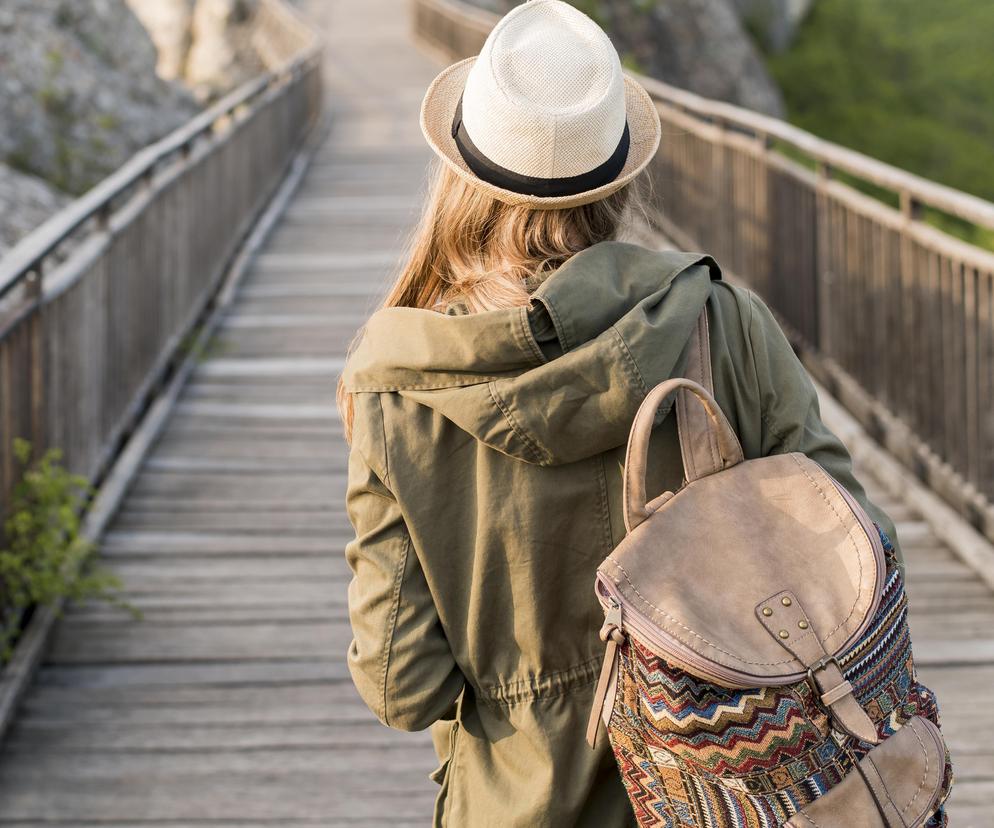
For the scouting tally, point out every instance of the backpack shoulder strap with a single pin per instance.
(696, 439)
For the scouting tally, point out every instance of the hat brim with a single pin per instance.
(438, 110)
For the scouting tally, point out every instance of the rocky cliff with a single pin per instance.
(206, 44)
(84, 84)
(25, 202)
(79, 94)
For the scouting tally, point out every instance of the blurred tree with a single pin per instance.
(910, 82)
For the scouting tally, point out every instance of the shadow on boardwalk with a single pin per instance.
(231, 700)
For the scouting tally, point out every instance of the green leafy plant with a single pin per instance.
(44, 554)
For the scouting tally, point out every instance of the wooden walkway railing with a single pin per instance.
(84, 342)
(895, 316)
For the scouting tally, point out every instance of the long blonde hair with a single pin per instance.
(470, 248)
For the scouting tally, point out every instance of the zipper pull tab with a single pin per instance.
(611, 628)
(600, 693)
(611, 633)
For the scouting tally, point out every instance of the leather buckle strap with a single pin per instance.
(828, 697)
(786, 621)
(843, 688)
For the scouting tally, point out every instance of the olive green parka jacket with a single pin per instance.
(484, 487)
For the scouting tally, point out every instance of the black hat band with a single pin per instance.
(499, 176)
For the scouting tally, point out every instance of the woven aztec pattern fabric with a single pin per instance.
(694, 753)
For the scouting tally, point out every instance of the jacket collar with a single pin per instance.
(416, 348)
(557, 380)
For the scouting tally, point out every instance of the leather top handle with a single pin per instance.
(726, 448)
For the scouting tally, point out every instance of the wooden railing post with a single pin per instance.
(823, 257)
(37, 361)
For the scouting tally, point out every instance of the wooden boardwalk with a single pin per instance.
(230, 703)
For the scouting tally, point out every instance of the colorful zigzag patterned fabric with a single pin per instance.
(693, 753)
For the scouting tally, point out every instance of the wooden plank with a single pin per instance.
(258, 411)
(277, 487)
(190, 786)
(164, 613)
(272, 264)
(954, 652)
(141, 641)
(287, 703)
(288, 289)
(337, 734)
(282, 344)
(243, 465)
(308, 390)
(206, 544)
(157, 505)
(206, 673)
(145, 574)
(263, 439)
(292, 321)
(297, 367)
(247, 429)
(243, 520)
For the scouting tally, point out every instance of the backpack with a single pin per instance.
(758, 669)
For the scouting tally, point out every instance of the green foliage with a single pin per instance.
(910, 82)
(632, 63)
(592, 9)
(758, 21)
(45, 552)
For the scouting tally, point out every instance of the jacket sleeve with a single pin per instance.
(791, 417)
(399, 657)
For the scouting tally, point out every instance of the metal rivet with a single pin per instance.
(767, 612)
(802, 624)
(786, 601)
(784, 634)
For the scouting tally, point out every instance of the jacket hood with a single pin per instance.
(559, 379)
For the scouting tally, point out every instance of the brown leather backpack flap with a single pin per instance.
(897, 784)
(756, 575)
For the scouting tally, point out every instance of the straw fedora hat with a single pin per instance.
(544, 115)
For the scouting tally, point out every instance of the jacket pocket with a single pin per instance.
(448, 740)
(442, 775)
